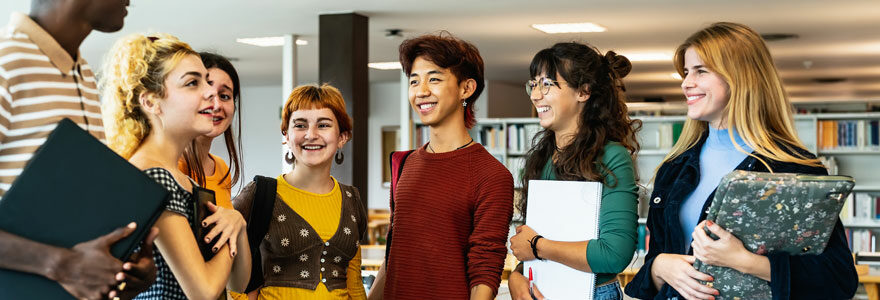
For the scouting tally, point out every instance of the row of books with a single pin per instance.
(516, 165)
(852, 134)
(861, 207)
(422, 135)
(519, 136)
(491, 137)
(861, 240)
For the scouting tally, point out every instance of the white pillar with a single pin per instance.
(405, 115)
(288, 82)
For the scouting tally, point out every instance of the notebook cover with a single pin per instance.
(75, 189)
(773, 212)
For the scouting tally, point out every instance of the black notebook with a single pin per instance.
(75, 189)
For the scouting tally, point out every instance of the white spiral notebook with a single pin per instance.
(563, 211)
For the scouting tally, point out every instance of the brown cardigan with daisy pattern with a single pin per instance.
(293, 253)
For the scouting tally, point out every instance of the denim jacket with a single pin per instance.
(830, 275)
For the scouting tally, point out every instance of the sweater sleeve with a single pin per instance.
(353, 280)
(618, 215)
(492, 211)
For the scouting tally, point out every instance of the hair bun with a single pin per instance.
(619, 64)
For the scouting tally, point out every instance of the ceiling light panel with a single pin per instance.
(569, 28)
(391, 65)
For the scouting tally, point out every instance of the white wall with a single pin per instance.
(260, 136)
(384, 111)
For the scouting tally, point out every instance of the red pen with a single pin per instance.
(530, 278)
(531, 285)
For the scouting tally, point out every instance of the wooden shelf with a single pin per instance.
(862, 224)
(654, 151)
(866, 188)
(850, 151)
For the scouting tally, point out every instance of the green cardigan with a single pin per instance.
(612, 252)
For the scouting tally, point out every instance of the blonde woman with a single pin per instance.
(311, 249)
(156, 101)
(739, 118)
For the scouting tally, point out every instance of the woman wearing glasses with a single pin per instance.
(587, 135)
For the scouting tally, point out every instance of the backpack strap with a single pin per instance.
(397, 160)
(258, 226)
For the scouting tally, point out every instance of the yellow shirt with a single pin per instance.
(213, 182)
(322, 212)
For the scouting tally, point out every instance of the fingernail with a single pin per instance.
(132, 225)
(204, 224)
(120, 276)
(710, 223)
(126, 266)
(215, 249)
(233, 253)
(207, 240)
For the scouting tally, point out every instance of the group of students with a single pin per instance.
(451, 200)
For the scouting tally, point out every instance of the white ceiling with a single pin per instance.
(840, 38)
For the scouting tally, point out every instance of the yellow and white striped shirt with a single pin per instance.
(40, 84)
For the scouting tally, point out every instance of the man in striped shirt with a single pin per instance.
(43, 80)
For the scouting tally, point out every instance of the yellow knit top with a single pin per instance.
(322, 211)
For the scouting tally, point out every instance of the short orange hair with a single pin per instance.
(317, 97)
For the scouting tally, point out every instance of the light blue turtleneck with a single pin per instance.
(717, 158)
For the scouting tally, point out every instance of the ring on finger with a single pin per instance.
(121, 286)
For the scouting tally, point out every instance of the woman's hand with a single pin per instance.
(519, 288)
(727, 251)
(678, 271)
(519, 243)
(228, 224)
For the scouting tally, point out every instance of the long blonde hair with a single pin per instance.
(759, 109)
(136, 64)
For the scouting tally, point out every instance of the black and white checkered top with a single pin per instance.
(181, 202)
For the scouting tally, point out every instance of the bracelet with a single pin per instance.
(534, 243)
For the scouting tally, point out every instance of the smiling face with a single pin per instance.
(435, 93)
(187, 109)
(561, 107)
(707, 93)
(222, 85)
(313, 136)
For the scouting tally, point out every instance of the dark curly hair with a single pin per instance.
(603, 119)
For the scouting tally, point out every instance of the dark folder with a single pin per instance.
(75, 189)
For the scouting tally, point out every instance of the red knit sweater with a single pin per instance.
(451, 216)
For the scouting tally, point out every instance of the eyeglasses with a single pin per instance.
(543, 84)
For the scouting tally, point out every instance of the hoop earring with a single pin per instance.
(339, 157)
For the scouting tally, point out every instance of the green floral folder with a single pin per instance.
(773, 212)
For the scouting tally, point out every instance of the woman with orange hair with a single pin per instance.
(311, 246)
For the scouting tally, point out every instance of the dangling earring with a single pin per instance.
(339, 157)
(463, 103)
(289, 155)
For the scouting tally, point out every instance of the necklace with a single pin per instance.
(459, 148)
